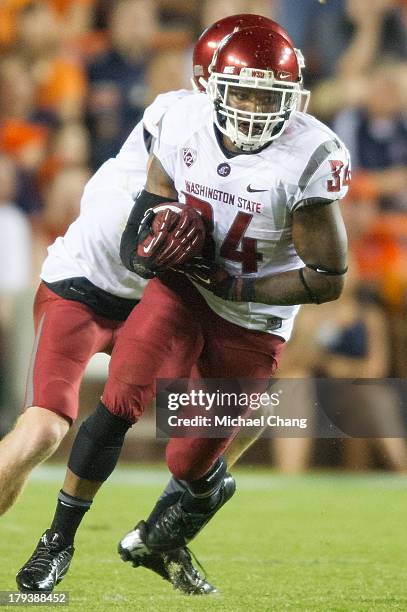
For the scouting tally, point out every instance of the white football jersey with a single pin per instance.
(249, 198)
(91, 245)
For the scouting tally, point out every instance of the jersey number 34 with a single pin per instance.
(247, 254)
(339, 178)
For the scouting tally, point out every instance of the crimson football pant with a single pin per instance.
(171, 333)
(67, 335)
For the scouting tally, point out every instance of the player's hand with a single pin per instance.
(168, 236)
(217, 279)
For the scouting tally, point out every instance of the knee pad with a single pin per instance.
(98, 444)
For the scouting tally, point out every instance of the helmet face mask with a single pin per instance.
(250, 130)
(252, 104)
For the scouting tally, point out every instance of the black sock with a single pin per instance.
(171, 494)
(68, 515)
(201, 496)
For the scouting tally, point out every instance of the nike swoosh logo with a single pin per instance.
(251, 190)
(148, 248)
(81, 293)
(202, 280)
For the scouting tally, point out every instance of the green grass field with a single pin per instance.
(318, 542)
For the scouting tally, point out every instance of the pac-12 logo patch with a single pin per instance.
(223, 169)
(189, 156)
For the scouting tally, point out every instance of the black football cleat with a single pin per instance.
(175, 527)
(183, 574)
(174, 566)
(47, 566)
(132, 548)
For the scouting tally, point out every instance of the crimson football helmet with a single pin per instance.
(210, 39)
(262, 61)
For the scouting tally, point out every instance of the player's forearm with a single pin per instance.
(287, 288)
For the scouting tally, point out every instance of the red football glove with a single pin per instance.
(217, 279)
(169, 235)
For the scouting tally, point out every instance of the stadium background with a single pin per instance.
(75, 76)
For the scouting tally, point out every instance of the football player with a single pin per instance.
(86, 295)
(267, 179)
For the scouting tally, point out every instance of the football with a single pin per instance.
(177, 233)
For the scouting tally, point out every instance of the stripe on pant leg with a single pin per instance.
(29, 393)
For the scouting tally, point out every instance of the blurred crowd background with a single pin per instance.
(75, 76)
